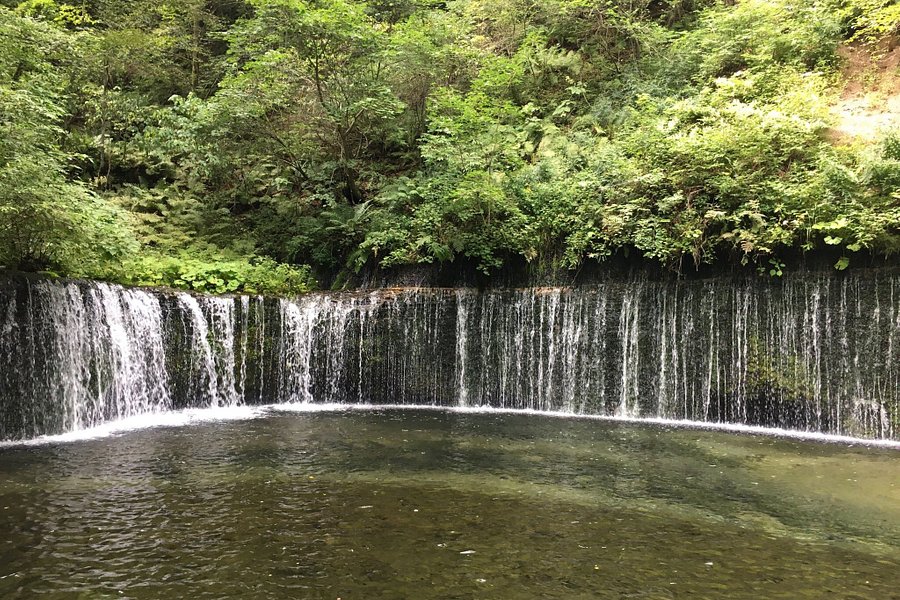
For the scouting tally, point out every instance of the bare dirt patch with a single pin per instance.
(869, 103)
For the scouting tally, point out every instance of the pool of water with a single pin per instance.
(422, 504)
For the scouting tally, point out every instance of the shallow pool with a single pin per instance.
(423, 504)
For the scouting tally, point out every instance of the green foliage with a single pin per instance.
(65, 15)
(471, 216)
(226, 139)
(756, 36)
(46, 220)
(872, 20)
(216, 274)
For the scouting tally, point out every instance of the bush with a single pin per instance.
(215, 276)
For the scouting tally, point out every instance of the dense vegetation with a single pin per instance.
(256, 144)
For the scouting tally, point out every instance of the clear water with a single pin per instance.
(427, 504)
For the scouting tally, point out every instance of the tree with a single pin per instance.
(316, 71)
(46, 221)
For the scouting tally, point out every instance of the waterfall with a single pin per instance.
(202, 361)
(73, 356)
(811, 351)
(462, 342)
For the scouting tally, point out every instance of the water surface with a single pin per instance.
(429, 504)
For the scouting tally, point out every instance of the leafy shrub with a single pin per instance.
(208, 275)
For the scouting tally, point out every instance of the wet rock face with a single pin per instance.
(815, 352)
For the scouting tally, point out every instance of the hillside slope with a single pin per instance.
(869, 103)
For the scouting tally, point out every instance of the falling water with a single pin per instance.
(201, 358)
(72, 356)
(462, 343)
(812, 352)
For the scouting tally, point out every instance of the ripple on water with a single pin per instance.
(436, 504)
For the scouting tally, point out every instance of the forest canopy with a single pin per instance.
(264, 145)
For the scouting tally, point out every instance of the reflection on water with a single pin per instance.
(425, 504)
